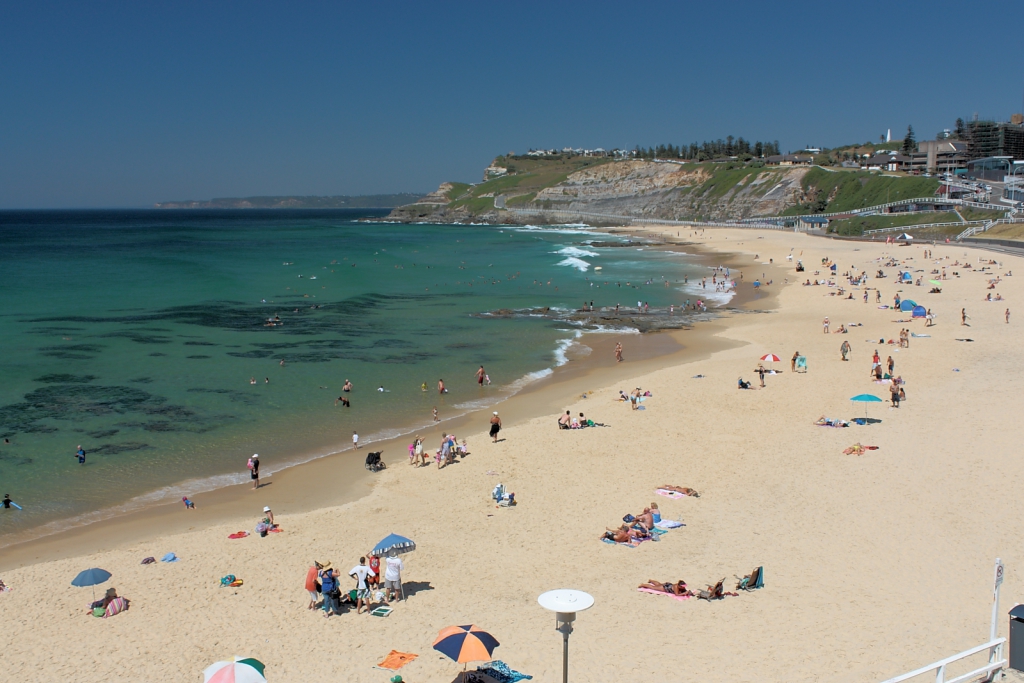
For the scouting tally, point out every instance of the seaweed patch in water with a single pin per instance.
(199, 343)
(115, 448)
(103, 433)
(138, 337)
(72, 351)
(158, 354)
(198, 356)
(64, 378)
(82, 401)
(142, 380)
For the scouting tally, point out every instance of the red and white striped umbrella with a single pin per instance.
(771, 358)
(241, 670)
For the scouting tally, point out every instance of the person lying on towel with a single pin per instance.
(677, 588)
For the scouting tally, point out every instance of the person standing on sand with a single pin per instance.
(495, 426)
(890, 364)
(361, 573)
(618, 352)
(1007, 316)
(844, 349)
(824, 325)
(964, 317)
(760, 373)
(254, 470)
(311, 584)
(393, 567)
(329, 589)
(792, 361)
(480, 376)
(355, 440)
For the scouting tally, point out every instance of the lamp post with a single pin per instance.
(565, 603)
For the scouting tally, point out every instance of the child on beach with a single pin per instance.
(189, 505)
(355, 440)
(436, 418)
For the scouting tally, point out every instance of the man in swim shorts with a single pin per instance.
(495, 426)
(480, 376)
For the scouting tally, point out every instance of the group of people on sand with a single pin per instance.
(568, 421)
(445, 454)
(635, 397)
(323, 582)
(635, 527)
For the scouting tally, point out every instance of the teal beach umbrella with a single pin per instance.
(866, 398)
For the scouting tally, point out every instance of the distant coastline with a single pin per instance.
(366, 201)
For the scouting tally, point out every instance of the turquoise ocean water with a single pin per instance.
(136, 333)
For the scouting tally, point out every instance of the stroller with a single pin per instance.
(374, 463)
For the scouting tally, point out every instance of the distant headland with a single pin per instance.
(365, 201)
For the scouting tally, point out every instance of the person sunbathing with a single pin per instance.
(685, 490)
(677, 588)
(620, 535)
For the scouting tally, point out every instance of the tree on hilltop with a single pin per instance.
(909, 143)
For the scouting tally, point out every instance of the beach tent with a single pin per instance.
(907, 305)
(919, 312)
(907, 277)
(905, 237)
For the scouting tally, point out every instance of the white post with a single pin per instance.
(996, 652)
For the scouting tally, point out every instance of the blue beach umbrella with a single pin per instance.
(91, 577)
(400, 544)
(866, 398)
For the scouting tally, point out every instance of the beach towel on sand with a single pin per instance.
(670, 595)
(674, 495)
(631, 544)
(668, 524)
(239, 534)
(396, 660)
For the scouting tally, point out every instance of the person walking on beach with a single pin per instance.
(361, 573)
(878, 296)
(824, 325)
(355, 440)
(495, 426)
(964, 317)
(254, 470)
(480, 376)
(618, 352)
(80, 454)
(844, 349)
(1007, 316)
(760, 373)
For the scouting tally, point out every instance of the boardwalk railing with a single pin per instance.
(906, 228)
(971, 232)
(568, 214)
(996, 662)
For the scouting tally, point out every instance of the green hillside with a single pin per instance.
(842, 190)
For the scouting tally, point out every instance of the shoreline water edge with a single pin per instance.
(309, 480)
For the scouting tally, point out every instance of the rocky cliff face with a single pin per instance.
(644, 189)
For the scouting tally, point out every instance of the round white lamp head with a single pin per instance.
(566, 601)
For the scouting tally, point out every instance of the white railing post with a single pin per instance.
(940, 674)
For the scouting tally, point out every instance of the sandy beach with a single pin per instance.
(874, 564)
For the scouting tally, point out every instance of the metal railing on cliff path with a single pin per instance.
(569, 214)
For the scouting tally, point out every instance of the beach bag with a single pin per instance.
(628, 519)
(249, 464)
(227, 580)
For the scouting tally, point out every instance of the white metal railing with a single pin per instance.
(907, 228)
(866, 209)
(996, 662)
(570, 214)
(970, 232)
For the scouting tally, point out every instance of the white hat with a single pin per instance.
(495, 412)
(255, 455)
(266, 508)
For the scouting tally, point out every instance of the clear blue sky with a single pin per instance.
(106, 104)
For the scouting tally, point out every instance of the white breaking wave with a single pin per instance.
(562, 346)
(577, 263)
(556, 230)
(708, 294)
(575, 251)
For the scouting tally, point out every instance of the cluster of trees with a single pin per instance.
(713, 149)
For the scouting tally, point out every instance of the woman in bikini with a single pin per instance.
(677, 588)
